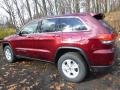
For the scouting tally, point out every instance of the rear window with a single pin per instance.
(71, 24)
(106, 25)
(100, 17)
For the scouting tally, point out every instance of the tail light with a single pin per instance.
(107, 38)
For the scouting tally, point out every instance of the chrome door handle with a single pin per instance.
(29, 37)
(56, 36)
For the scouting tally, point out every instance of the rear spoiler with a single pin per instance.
(98, 16)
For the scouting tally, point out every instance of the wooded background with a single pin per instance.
(21, 11)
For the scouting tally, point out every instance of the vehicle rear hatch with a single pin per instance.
(111, 33)
(100, 17)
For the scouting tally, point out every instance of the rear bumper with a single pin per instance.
(102, 68)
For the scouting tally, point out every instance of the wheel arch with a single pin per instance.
(5, 44)
(63, 50)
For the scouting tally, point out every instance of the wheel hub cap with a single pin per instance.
(70, 68)
(8, 54)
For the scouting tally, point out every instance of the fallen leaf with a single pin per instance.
(52, 86)
(12, 87)
(3, 68)
(1, 88)
(23, 81)
(110, 78)
(6, 74)
(62, 85)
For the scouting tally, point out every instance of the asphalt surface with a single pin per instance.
(36, 75)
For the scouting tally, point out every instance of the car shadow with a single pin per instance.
(90, 76)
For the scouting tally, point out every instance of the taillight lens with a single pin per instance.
(107, 38)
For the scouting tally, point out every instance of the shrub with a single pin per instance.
(6, 32)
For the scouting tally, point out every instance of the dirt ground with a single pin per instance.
(37, 75)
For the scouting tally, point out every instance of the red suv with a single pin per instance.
(76, 43)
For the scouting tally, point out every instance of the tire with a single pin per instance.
(72, 67)
(8, 52)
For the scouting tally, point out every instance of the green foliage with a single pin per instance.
(6, 32)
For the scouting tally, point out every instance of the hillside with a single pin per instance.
(113, 19)
(112, 16)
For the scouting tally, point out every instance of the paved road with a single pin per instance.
(36, 75)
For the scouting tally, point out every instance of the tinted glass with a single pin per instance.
(106, 25)
(30, 28)
(71, 24)
(48, 25)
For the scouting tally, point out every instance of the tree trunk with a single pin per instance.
(19, 13)
(77, 6)
(29, 11)
(36, 8)
(44, 7)
(56, 7)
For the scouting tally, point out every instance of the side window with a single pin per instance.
(30, 28)
(48, 25)
(71, 24)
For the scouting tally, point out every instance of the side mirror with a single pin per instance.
(17, 31)
(23, 32)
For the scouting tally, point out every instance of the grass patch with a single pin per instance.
(6, 32)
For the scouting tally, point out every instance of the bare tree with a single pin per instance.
(56, 6)
(39, 8)
(29, 10)
(19, 12)
(36, 8)
(44, 7)
(77, 6)
(8, 7)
